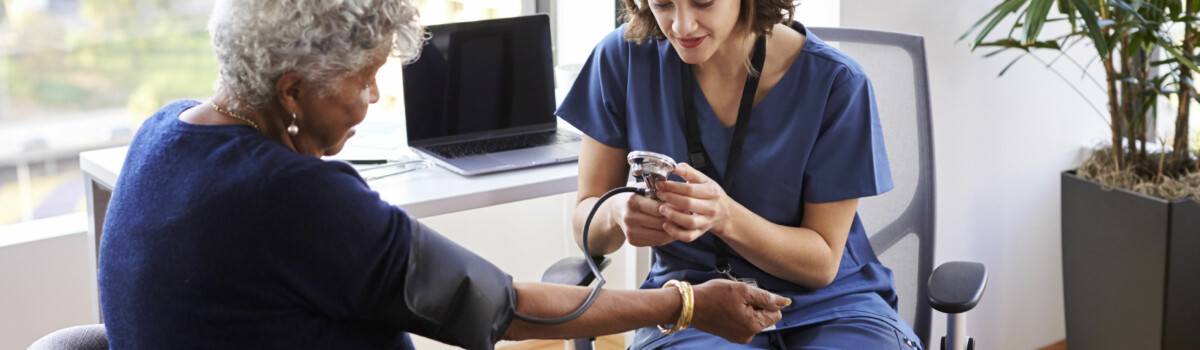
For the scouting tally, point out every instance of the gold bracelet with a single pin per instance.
(687, 309)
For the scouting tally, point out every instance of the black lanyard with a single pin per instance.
(699, 158)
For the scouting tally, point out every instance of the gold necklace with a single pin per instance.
(232, 115)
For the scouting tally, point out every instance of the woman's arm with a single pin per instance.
(808, 255)
(603, 168)
(600, 170)
(731, 310)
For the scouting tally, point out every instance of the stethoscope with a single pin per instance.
(649, 167)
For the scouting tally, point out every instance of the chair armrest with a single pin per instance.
(956, 286)
(574, 271)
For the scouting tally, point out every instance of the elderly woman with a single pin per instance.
(229, 231)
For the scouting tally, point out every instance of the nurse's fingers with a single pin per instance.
(690, 174)
(648, 237)
(686, 204)
(642, 204)
(684, 218)
(638, 219)
(681, 234)
(706, 190)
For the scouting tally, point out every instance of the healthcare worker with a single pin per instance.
(778, 136)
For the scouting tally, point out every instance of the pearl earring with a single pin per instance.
(293, 129)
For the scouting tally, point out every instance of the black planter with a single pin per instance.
(1131, 268)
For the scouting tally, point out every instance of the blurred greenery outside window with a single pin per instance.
(84, 74)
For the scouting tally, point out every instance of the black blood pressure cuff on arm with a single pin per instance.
(456, 297)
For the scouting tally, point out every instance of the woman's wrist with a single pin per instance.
(687, 307)
(605, 234)
(727, 225)
(615, 210)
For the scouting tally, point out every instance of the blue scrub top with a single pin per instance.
(814, 138)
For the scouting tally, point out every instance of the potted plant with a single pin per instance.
(1131, 212)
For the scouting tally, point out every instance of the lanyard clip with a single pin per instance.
(728, 272)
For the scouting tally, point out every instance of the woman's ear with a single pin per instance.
(288, 89)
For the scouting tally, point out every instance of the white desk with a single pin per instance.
(422, 193)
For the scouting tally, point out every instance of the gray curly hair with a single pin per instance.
(257, 41)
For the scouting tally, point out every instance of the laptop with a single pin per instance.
(480, 98)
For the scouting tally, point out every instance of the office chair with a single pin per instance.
(86, 337)
(900, 223)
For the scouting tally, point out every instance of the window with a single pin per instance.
(82, 74)
(77, 75)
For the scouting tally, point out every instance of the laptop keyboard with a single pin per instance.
(501, 144)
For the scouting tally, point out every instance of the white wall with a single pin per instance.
(1000, 144)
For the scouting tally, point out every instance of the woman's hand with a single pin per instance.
(735, 311)
(695, 207)
(639, 218)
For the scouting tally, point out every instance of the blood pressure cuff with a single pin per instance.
(456, 297)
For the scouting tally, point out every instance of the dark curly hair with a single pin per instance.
(756, 15)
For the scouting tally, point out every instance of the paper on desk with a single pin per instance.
(362, 153)
(377, 140)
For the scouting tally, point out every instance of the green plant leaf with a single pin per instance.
(1008, 43)
(1070, 35)
(997, 52)
(1135, 44)
(1019, 24)
(1090, 63)
(995, 15)
(1128, 9)
(1155, 11)
(1174, 51)
(1150, 10)
(1162, 62)
(1071, 84)
(1065, 7)
(1035, 17)
(1009, 65)
(1093, 27)
(1006, 8)
(1148, 102)
(1012, 43)
(991, 13)
(1053, 45)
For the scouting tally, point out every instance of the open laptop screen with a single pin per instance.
(474, 79)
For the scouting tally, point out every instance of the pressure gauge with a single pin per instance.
(650, 167)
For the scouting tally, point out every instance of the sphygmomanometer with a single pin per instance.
(649, 167)
(455, 296)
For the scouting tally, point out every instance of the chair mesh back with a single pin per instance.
(900, 222)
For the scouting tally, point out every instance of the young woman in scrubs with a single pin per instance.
(786, 217)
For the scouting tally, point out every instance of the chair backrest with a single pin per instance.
(899, 223)
(86, 337)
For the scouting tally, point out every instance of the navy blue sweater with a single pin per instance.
(219, 237)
